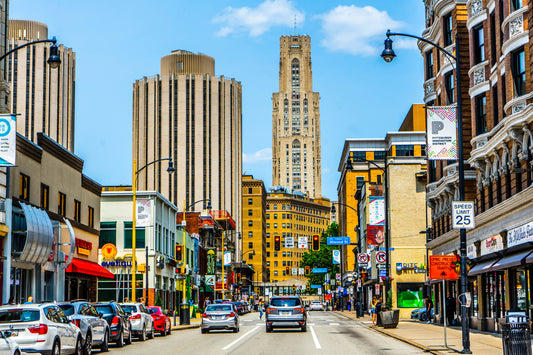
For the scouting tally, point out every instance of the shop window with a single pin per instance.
(139, 236)
(521, 278)
(108, 233)
(61, 204)
(45, 196)
(24, 187)
(410, 294)
(77, 211)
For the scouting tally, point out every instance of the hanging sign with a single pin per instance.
(8, 140)
(211, 261)
(441, 132)
(375, 234)
(336, 256)
(143, 218)
(227, 258)
(376, 210)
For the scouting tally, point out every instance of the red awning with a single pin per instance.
(89, 268)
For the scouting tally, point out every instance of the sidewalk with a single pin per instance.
(430, 337)
(195, 323)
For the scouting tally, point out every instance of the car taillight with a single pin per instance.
(231, 314)
(115, 321)
(205, 315)
(137, 316)
(77, 322)
(41, 329)
(298, 310)
(272, 310)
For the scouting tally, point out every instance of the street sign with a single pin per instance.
(320, 270)
(382, 272)
(289, 242)
(210, 280)
(463, 215)
(326, 277)
(359, 283)
(442, 267)
(336, 257)
(338, 277)
(338, 240)
(381, 257)
(315, 286)
(363, 258)
(302, 242)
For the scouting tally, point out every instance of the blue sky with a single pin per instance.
(118, 41)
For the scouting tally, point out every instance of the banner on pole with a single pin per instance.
(8, 140)
(143, 218)
(375, 235)
(227, 258)
(336, 254)
(376, 210)
(442, 132)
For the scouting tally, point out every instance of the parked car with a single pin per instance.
(220, 316)
(420, 314)
(142, 324)
(285, 312)
(8, 346)
(41, 328)
(94, 329)
(316, 306)
(162, 322)
(118, 321)
(248, 306)
(240, 307)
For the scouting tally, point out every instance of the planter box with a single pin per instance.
(390, 319)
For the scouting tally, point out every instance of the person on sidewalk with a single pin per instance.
(429, 307)
(379, 306)
(260, 308)
(373, 310)
(450, 309)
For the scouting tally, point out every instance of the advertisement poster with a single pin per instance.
(441, 132)
(211, 261)
(375, 235)
(143, 213)
(8, 140)
(336, 254)
(376, 210)
(227, 258)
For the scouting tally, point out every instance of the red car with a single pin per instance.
(161, 321)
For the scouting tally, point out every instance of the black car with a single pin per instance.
(118, 320)
(240, 307)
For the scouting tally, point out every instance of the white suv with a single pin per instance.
(142, 323)
(41, 328)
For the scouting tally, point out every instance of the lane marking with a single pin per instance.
(240, 338)
(333, 323)
(310, 323)
(315, 339)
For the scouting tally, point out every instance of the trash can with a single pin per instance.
(516, 338)
(185, 315)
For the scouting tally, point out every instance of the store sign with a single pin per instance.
(471, 251)
(520, 235)
(109, 251)
(492, 244)
(117, 263)
(84, 247)
(410, 267)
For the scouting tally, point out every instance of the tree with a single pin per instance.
(322, 258)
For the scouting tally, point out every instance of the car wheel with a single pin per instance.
(128, 339)
(169, 329)
(88, 348)
(105, 345)
(120, 340)
(205, 331)
(17, 352)
(79, 346)
(142, 337)
(268, 329)
(56, 349)
(151, 335)
(304, 328)
(423, 317)
(235, 330)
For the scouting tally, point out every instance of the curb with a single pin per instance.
(397, 337)
(183, 327)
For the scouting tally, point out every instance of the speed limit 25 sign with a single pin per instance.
(463, 215)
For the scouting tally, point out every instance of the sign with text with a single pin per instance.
(338, 240)
(520, 235)
(289, 242)
(442, 267)
(227, 258)
(376, 210)
(463, 215)
(490, 245)
(8, 140)
(302, 242)
(441, 132)
(320, 270)
(144, 213)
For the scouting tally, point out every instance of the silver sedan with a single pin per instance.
(220, 316)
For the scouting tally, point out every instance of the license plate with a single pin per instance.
(285, 313)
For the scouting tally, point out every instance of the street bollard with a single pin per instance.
(185, 315)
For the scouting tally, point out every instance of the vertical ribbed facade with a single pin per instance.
(44, 97)
(195, 118)
(296, 162)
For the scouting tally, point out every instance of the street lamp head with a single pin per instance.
(54, 59)
(349, 165)
(333, 210)
(388, 53)
(209, 207)
(170, 168)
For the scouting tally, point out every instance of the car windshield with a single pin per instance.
(153, 310)
(19, 315)
(68, 309)
(218, 308)
(104, 308)
(285, 302)
(129, 309)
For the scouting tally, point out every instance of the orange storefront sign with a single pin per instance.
(442, 267)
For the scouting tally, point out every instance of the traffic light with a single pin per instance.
(307, 270)
(287, 270)
(277, 246)
(316, 243)
(293, 289)
(239, 278)
(308, 287)
(179, 252)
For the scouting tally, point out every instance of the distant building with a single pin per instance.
(296, 149)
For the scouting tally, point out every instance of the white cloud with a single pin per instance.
(259, 156)
(356, 30)
(260, 19)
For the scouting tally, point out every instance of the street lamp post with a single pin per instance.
(136, 171)
(53, 60)
(388, 55)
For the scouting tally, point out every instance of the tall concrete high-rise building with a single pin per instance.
(195, 117)
(296, 162)
(43, 96)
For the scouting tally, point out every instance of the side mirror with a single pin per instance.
(6, 333)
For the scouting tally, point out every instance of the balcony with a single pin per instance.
(514, 32)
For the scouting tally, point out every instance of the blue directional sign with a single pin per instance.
(382, 273)
(320, 270)
(385, 249)
(338, 240)
(315, 286)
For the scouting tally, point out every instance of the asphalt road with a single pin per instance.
(327, 333)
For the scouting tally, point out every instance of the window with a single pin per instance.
(450, 88)
(504, 93)
(45, 193)
(275, 263)
(481, 114)
(77, 211)
(380, 155)
(24, 187)
(250, 234)
(448, 27)
(275, 225)
(250, 256)
(90, 217)
(479, 45)
(410, 294)
(108, 233)
(495, 105)
(275, 216)
(405, 150)
(250, 212)
(250, 245)
(250, 223)
(250, 201)
(516, 5)
(275, 272)
(358, 156)
(519, 73)
(61, 204)
(139, 236)
(429, 65)
(493, 37)
(250, 190)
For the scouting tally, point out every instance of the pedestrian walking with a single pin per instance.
(11, 300)
(379, 305)
(429, 307)
(260, 308)
(450, 308)
(373, 310)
